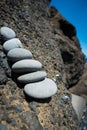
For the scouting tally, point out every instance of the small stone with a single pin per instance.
(7, 33)
(19, 108)
(17, 54)
(65, 98)
(42, 89)
(32, 77)
(3, 127)
(13, 123)
(11, 44)
(25, 66)
(5, 24)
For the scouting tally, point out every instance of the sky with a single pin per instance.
(75, 11)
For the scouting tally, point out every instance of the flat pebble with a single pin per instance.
(43, 89)
(7, 33)
(17, 54)
(11, 44)
(27, 65)
(32, 77)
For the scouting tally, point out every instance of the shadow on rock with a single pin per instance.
(31, 99)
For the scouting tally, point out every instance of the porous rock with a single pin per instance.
(32, 77)
(7, 33)
(42, 89)
(11, 44)
(17, 54)
(25, 66)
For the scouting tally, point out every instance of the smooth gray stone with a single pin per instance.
(43, 89)
(32, 77)
(25, 66)
(17, 54)
(11, 44)
(7, 33)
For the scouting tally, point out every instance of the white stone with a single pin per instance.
(7, 33)
(25, 66)
(43, 89)
(11, 44)
(78, 104)
(32, 77)
(17, 54)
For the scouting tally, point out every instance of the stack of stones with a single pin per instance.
(36, 83)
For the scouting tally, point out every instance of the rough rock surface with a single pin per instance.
(81, 87)
(41, 31)
(69, 45)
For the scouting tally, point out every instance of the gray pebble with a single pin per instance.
(17, 54)
(7, 33)
(32, 77)
(25, 66)
(11, 44)
(42, 89)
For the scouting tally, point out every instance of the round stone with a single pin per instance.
(7, 33)
(43, 89)
(25, 66)
(17, 54)
(11, 44)
(32, 77)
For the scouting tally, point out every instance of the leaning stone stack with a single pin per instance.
(36, 83)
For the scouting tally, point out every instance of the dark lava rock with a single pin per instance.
(3, 77)
(32, 121)
(4, 68)
(83, 121)
(13, 123)
(3, 127)
(71, 53)
(19, 108)
(34, 106)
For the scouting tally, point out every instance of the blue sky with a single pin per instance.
(75, 11)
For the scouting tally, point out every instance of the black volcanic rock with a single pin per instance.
(71, 53)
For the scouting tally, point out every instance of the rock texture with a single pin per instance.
(70, 49)
(81, 87)
(42, 30)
